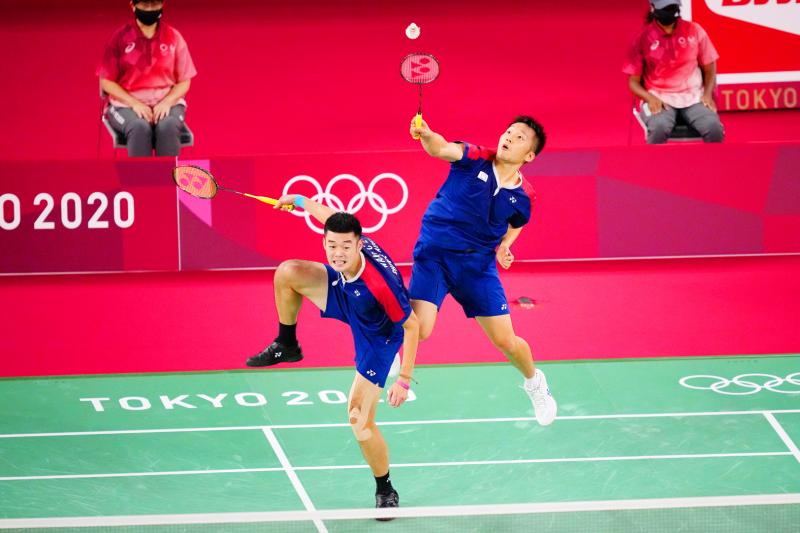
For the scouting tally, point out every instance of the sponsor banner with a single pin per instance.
(759, 45)
(87, 216)
(79, 216)
(758, 96)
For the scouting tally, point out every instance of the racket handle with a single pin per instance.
(417, 124)
(270, 201)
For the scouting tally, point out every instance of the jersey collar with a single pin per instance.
(516, 185)
(358, 274)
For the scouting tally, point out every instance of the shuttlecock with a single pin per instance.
(412, 31)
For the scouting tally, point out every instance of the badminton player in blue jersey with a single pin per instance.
(362, 287)
(470, 225)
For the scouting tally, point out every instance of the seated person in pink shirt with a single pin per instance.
(146, 71)
(677, 62)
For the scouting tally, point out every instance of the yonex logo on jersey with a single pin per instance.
(357, 292)
(483, 176)
(364, 195)
(512, 199)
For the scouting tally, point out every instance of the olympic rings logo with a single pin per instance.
(364, 195)
(743, 385)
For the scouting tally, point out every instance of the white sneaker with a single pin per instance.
(544, 405)
(394, 371)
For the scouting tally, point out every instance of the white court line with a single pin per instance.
(393, 423)
(143, 474)
(298, 486)
(410, 465)
(787, 440)
(406, 512)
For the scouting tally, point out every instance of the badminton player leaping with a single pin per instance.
(362, 287)
(475, 217)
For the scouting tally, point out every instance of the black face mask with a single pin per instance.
(148, 18)
(667, 15)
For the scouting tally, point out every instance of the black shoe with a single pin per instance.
(276, 353)
(390, 499)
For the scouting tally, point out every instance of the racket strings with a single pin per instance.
(419, 68)
(195, 181)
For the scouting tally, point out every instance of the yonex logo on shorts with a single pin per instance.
(364, 195)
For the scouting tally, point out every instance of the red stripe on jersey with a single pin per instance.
(529, 190)
(381, 291)
(476, 152)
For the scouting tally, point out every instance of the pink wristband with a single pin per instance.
(404, 385)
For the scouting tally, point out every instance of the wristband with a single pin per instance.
(404, 385)
(300, 201)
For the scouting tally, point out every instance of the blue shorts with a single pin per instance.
(471, 278)
(374, 353)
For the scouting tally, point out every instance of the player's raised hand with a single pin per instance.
(419, 128)
(504, 256)
(286, 201)
(397, 394)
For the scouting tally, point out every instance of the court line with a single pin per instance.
(406, 512)
(394, 423)
(787, 440)
(296, 483)
(406, 465)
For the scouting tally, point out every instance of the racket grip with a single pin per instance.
(417, 124)
(270, 201)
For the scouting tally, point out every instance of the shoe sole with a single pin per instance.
(256, 363)
(555, 411)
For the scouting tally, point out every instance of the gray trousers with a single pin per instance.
(143, 137)
(701, 118)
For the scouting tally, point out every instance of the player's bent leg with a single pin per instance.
(294, 280)
(501, 332)
(364, 396)
(361, 407)
(426, 314)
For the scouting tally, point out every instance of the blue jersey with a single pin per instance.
(471, 211)
(375, 304)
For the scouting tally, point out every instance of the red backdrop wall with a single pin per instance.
(322, 76)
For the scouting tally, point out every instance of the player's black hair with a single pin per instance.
(538, 129)
(342, 222)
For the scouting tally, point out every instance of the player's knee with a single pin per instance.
(358, 423)
(425, 331)
(288, 270)
(506, 343)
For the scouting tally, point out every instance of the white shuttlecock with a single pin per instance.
(412, 31)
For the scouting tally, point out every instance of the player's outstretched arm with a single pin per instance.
(398, 392)
(315, 209)
(435, 144)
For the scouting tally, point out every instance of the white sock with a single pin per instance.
(534, 382)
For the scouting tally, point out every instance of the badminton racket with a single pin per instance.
(420, 69)
(200, 183)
